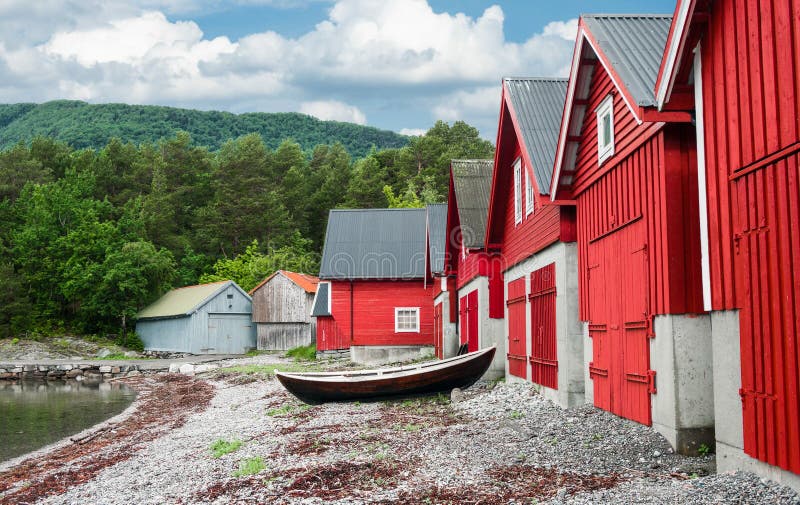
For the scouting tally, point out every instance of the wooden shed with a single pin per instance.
(734, 66)
(204, 319)
(631, 171)
(282, 306)
(536, 240)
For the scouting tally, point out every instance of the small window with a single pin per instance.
(518, 191)
(406, 320)
(528, 194)
(605, 129)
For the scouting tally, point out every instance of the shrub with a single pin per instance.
(303, 353)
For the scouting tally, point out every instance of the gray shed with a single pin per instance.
(282, 306)
(205, 319)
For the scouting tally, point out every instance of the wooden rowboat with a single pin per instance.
(412, 380)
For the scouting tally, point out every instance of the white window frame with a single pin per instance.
(316, 294)
(528, 194)
(518, 191)
(605, 146)
(397, 311)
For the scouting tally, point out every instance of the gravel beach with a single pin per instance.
(496, 443)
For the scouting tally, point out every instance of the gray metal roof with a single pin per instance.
(374, 244)
(437, 236)
(472, 182)
(538, 105)
(634, 46)
(321, 300)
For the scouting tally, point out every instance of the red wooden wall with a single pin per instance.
(373, 311)
(750, 63)
(544, 348)
(329, 337)
(438, 331)
(469, 314)
(517, 336)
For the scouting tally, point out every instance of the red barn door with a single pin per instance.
(767, 260)
(438, 331)
(619, 325)
(544, 356)
(516, 328)
(472, 316)
(463, 320)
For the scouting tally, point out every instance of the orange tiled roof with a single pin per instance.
(305, 281)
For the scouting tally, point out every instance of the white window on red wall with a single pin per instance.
(518, 191)
(605, 129)
(528, 194)
(406, 320)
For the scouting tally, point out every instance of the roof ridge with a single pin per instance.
(543, 79)
(626, 15)
(200, 285)
(379, 209)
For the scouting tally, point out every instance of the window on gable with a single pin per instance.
(528, 194)
(605, 129)
(406, 320)
(518, 191)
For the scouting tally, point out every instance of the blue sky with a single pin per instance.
(393, 64)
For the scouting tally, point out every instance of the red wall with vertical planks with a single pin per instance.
(373, 311)
(750, 63)
(544, 348)
(517, 335)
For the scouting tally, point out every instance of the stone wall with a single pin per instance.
(78, 371)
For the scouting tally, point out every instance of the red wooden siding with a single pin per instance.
(329, 337)
(469, 320)
(476, 264)
(750, 63)
(657, 184)
(496, 288)
(544, 355)
(438, 331)
(373, 311)
(463, 321)
(516, 328)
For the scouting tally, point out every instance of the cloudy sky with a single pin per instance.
(393, 64)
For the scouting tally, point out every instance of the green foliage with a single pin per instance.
(303, 353)
(222, 447)
(82, 125)
(703, 450)
(249, 466)
(132, 341)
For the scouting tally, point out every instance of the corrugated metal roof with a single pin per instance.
(538, 105)
(374, 244)
(472, 182)
(320, 307)
(437, 235)
(634, 46)
(181, 301)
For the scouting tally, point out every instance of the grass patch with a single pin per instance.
(222, 447)
(250, 466)
(303, 353)
(516, 414)
(287, 410)
(264, 369)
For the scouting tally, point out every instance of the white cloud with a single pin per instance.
(413, 132)
(333, 110)
(384, 54)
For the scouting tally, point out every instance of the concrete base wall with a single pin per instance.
(449, 332)
(683, 405)
(569, 330)
(381, 355)
(733, 459)
(490, 331)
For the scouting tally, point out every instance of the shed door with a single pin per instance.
(619, 325)
(463, 321)
(767, 261)
(228, 334)
(516, 328)
(438, 330)
(544, 356)
(472, 316)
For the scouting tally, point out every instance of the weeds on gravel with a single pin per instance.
(287, 410)
(303, 353)
(222, 447)
(250, 466)
(516, 414)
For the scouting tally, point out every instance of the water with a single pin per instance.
(34, 414)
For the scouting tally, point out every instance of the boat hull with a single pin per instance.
(427, 378)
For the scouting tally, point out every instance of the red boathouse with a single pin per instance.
(478, 275)
(536, 240)
(445, 304)
(631, 172)
(734, 66)
(374, 296)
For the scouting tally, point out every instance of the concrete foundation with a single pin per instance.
(569, 330)
(449, 332)
(728, 404)
(588, 350)
(683, 405)
(490, 331)
(381, 355)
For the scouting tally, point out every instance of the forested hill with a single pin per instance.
(85, 125)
